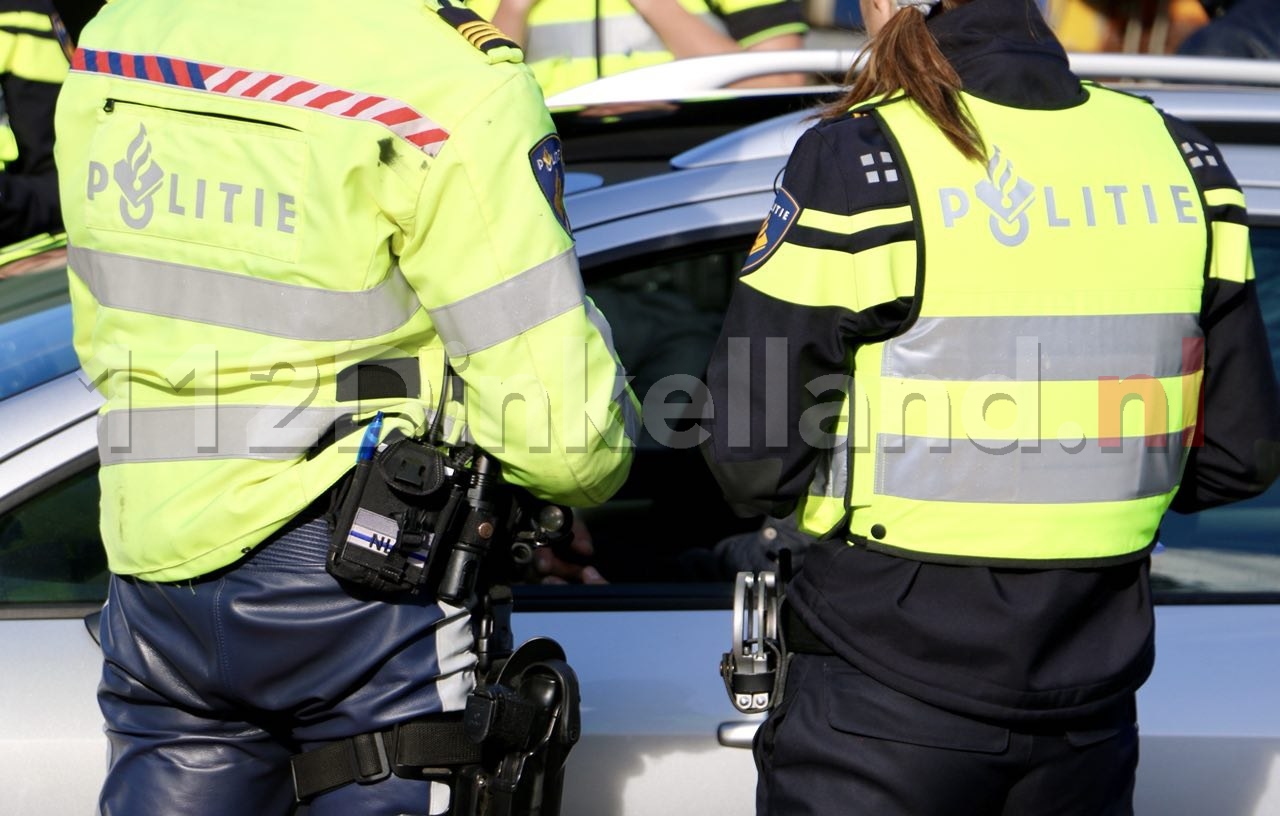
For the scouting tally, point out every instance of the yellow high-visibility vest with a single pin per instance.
(1039, 406)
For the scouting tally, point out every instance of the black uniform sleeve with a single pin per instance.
(778, 357)
(1236, 453)
(752, 24)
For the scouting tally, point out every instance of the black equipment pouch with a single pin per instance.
(400, 510)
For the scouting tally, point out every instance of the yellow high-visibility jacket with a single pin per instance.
(274, 236)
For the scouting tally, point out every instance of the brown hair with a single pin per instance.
(904, 56)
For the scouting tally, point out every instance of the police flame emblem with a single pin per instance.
(138, 176)
(1008, 197)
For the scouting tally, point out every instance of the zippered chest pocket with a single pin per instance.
(202, 178)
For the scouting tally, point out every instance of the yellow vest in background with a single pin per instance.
(24, 55)
(565, 38)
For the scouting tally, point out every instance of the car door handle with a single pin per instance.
(737, 734)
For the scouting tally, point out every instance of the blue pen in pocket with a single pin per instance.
(369, 442)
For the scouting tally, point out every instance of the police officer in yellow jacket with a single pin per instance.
(34, 52)
(571, 42)
(276, 235)
(973, 337)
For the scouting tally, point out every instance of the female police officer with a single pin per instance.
(974, 262)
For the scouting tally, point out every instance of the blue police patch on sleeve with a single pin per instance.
(782, 215)
(547, 161)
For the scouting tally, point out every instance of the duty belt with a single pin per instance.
(432, 747)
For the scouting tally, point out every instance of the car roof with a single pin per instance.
(664, 121)
(707, 77)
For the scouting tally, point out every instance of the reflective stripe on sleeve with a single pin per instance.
(512, 307)
(265, 432)
(1061, 347)
(963, 470)
(32, 21)
(849, 224)
(1231, 259)
(241, 302)
(277, 432)
(1224, 196)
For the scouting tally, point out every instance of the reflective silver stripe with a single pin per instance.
(241, 302)
(269, 432)
(211, 432)
(831, 480)
(1069, 347)
(622, 35)
(1059, 473)
(630, 417)
(512, 307)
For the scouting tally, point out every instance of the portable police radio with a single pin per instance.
(418, 513)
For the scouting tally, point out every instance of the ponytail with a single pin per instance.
(904, 56)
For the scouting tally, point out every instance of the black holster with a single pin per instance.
(527, 720)
(504, 755)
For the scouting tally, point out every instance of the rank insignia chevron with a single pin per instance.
(479, 32)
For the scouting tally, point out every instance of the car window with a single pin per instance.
(50, 549)
(1233, 549)
(665, 314)
(659, 533)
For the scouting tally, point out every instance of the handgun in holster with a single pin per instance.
(527, 720)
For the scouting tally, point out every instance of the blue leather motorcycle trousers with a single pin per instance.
(209, 686)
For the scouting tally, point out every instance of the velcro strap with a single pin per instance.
(426, 744)
(409, 750)
(754, 683)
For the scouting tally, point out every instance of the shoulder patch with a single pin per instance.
(481, 33)
(547, 162)
(782, 215)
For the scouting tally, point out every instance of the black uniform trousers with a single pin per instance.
(844, 743)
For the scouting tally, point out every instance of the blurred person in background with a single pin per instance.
(1237, 28)
(35, 53)
(571, 42)
(1128, 26)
